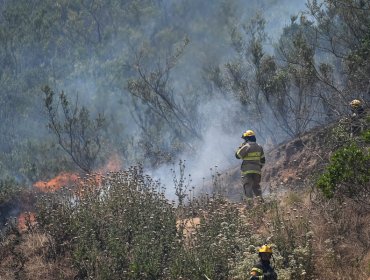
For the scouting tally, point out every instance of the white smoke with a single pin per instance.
(221, 135)
(220, 139)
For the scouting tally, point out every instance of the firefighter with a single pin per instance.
(263, 269)
(357, 112)
(253, 160)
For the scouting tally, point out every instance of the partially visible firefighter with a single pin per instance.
(263, 269)
(253, 160)
(357, 114)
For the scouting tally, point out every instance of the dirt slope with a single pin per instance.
(291, 164)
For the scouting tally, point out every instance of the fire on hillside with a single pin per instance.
(63, 179)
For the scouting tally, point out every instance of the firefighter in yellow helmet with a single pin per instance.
(355, 103)
(357, 113)
(263, 269)
(253, 160)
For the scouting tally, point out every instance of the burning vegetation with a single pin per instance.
(63, 179)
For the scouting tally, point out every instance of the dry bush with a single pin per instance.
(38, 268)
(33, 244)
(320, 237)
(187, 226)
(24, 257)
(342, 238)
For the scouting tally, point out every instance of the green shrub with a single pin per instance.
(9, 190)
(291, 232)
(366, 136)
(348, 173)
(120, 228)
(215, 245)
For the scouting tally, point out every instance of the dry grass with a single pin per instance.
(33, 244)
(26, 259)
(37, 268)
(342, 241)
(7, 268)
(188, 225)
(341, 233)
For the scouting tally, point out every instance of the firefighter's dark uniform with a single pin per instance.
(253, 159)
(356, 120)
(263, 270)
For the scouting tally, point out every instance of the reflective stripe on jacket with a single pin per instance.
(253, 157)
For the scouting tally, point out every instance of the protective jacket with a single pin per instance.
(263, 270)
(253, 157)
(357, 112)
(357, 121)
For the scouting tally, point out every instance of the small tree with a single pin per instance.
(348, 174)
(77, 134)
(153, 88)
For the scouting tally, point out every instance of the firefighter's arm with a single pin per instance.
(263, 159)
(242, 151)
(237, 153)
(262, 277)
(256, 274)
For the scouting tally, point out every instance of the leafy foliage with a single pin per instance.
(120, 225)
(130, 60)
(9, 190)
(348, 173)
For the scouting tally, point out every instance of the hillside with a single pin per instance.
(117, 216)
(293, 164)
(103, 102)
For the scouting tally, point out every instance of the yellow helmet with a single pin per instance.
(265, 249)
(355, 103)
(248, 133)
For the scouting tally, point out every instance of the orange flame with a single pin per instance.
(25, 220)
(114, 164)
(63, 179)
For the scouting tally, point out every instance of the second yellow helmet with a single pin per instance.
(265, 249)
(355, 103)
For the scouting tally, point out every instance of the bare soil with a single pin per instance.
(293, 164)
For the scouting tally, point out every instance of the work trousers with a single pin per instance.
(251, 185)
(357, 126)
